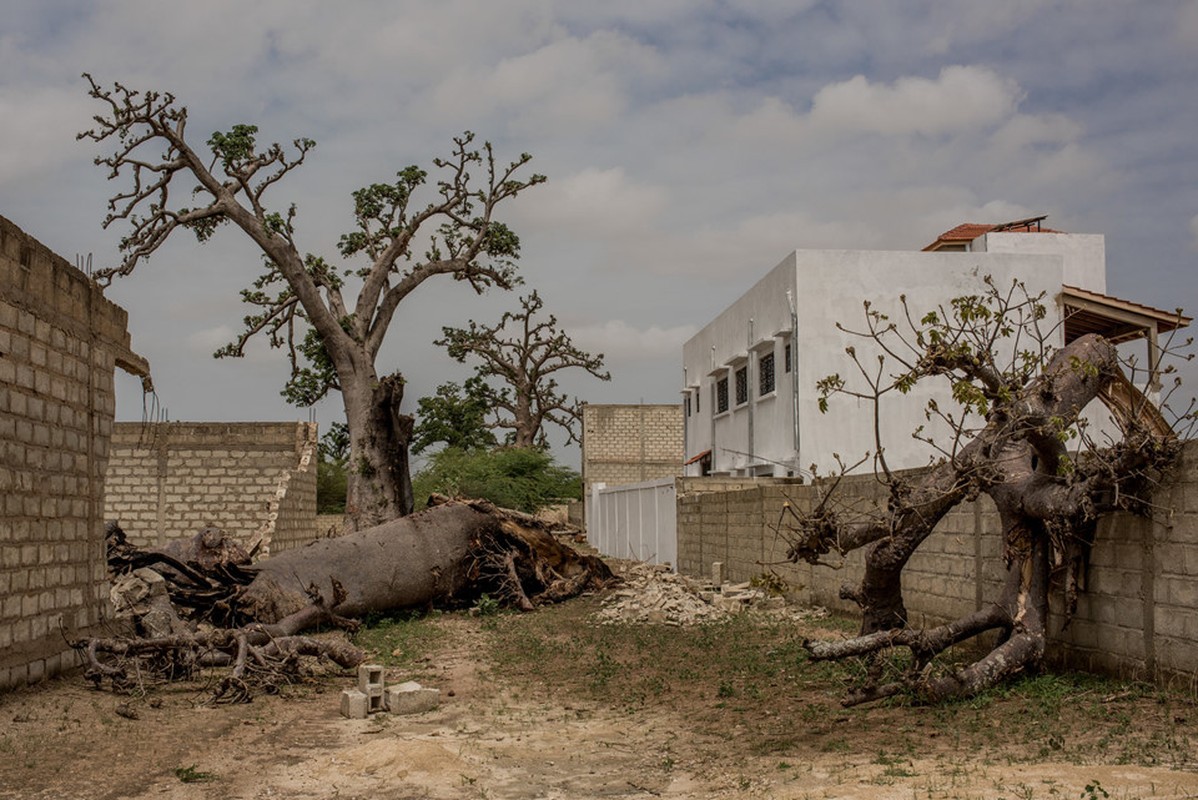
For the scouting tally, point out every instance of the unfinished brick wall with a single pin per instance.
(254, 480)
(630, 443)
(60, 341)
(1138, 615)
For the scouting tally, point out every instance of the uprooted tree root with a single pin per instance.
(247, 618)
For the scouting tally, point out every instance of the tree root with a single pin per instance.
(259, 662)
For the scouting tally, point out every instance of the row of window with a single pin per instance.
(766, 383)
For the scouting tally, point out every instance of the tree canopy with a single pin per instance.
(456, 416)
(301, 301)
(519, 359)
(520, 478)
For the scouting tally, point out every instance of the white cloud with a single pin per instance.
(39, 126)
(1024, 130)
(618, 340)
(568, 86)
(1186, 28)
(598, 201)
(961, 98)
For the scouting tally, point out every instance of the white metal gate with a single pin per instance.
(638, 521)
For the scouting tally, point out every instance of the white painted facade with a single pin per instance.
(781, 431)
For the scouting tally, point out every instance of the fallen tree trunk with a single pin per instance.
(449, 554)
(405, 563)
(452, 552)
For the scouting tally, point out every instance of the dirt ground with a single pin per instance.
(505, 733)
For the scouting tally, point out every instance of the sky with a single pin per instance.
(689, 146)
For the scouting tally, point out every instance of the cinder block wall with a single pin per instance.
(624, 444)
(1138, 615)
(295, 499)
(59, 343)
(254, 480)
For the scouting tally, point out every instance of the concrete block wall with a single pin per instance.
(295, 500)
(329, 526)
(254, 480)
(1137, 616)
(1170, 590)
(60, 342)
(630, 443)
(1139, 613)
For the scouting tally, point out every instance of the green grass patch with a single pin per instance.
(403, 639)
(751, 674)
(193, 775)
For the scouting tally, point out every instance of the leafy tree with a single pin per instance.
(334, 445)
(1016, 435)
(456, 417)
(524, 355)
(299, 298)
(331, 483)
(521, 478)
(331, 480)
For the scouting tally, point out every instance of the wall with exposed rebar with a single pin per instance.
(60, 342)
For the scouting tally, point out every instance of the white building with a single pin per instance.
(750, 404)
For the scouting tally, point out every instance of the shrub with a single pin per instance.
(524, 479)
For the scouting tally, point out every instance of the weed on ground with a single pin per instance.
(750, 676)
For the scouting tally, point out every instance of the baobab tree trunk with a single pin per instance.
(454, 550)
(1048, 501)
(379, 481)
(448, 554)
(403, 563)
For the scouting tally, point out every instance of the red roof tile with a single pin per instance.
(968, 231)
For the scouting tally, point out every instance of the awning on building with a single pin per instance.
(1119, 321)
(1114, 319)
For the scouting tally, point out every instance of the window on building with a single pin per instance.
(686, 402)
(697, 396)
(721, 396)
(765, 374)
(742, 386)
(786, 357)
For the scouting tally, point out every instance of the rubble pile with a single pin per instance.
(654, 594)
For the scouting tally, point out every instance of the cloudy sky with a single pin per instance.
(689, 146)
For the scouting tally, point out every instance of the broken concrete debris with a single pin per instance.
(141, 597)
(654, 594)
(372, 695)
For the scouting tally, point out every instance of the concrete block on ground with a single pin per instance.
(717, 572)
(411, 698)
(354, 704)
(370, 683)
(370, 676)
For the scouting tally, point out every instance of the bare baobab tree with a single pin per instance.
(524, 354)
(1018, 435)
